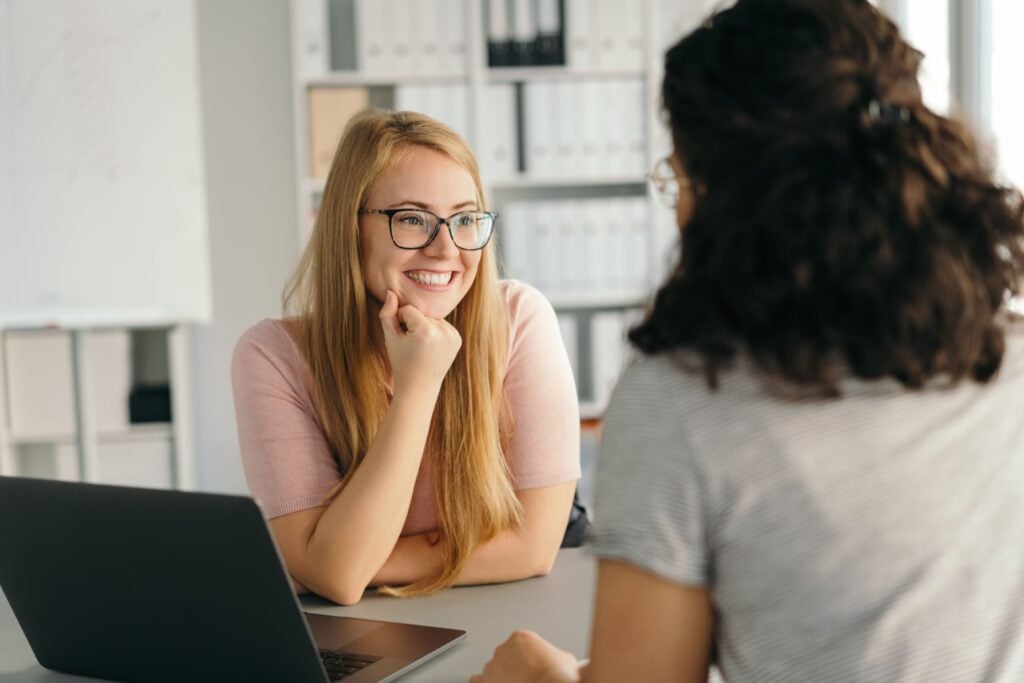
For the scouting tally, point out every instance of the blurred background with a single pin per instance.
(161, 163)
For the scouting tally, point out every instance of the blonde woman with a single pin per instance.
(412, 423)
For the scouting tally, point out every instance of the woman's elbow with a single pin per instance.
(347, 598)
(544, 565)
(541, 560)
(345, 592)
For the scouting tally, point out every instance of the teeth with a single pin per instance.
(431, 278)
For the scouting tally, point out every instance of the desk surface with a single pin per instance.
(557, 606)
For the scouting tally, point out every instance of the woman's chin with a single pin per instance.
(432, 305)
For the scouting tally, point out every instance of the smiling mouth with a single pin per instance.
(429, 278)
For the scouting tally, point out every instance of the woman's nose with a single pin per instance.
(442, 246)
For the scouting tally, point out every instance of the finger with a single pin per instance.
(389, 313)
(411, 318)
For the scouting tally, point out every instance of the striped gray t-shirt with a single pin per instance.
(876, 537)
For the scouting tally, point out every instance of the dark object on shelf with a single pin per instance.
(149, 403)
(510, 44)
(579, 524)
(550, 47)
(524, 53)
(499, 53)
(551, 50)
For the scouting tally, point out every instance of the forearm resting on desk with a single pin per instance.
(505, 558)
(513, 554)
(336, 550)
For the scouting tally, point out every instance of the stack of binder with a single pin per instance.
(497, 147)
(592, 128)
(579, 251)
(448, 104)
(525, 32)
(610, 351)
(604, 35)
(410, 37)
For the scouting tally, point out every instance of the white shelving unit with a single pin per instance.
(314, 46)
(63, 416)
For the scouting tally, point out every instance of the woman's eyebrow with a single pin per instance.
(422, 205)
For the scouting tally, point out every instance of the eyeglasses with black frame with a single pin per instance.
(667, 181)
(417, 228)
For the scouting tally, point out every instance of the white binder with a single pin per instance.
(514, 237)
(565, 117)
(592, 129)
(544, 261)
(632, 32)
(567, 327)
(314, 46)
(403, 34)
(637, 222)
(426, 37)
(612, 16)
(564, 256)
(592, 251)
(608, 351)
(374, 37)
(635, 152)
(456, 106)
(615, 235)
(580, 30)
(452, 37)
(497, 152)
(618, 252)
(615, 121)
(559, 126)
(538, 129)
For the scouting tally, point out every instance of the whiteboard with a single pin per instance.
(103, 215)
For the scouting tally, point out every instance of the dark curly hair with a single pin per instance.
(837, 221)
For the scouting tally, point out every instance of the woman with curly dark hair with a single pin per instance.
(816, 471)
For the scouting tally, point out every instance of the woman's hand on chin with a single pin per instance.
(420, 349)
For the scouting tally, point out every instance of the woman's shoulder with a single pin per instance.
(523, 302)
(681, 373)
(522, 298)
(676, 383)
(272, 339)
(530, 314)
(669, 373)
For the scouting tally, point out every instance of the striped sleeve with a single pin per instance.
(649, 502)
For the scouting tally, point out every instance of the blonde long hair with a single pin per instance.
(345, 350)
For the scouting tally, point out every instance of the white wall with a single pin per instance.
(245, 80)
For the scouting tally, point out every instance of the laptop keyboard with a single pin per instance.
(341, 665)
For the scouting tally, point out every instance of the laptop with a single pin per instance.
(148, 585)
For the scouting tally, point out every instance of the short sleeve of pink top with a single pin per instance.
(289, 466)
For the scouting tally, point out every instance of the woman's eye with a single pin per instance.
(411, 220)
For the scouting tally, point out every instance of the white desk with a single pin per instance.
(557, 606)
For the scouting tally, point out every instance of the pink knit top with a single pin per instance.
(288, 463)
